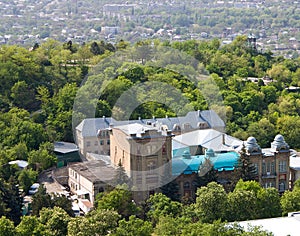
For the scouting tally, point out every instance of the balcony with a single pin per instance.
(269, 175)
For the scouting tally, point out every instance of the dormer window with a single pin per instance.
(202, 125)
(176, 127)
(187, 126)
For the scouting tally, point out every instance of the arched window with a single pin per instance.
(186, 185)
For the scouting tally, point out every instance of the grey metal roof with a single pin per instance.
(89, 127)
(212, 118)
(207, 138)
(134, 128)
(65, 147)
(95, 171)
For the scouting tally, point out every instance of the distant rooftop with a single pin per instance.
(89, 127)
(20, 163)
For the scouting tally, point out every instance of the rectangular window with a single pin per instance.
(149, 150)
(108, 142)
(263, 168)
(272, 168)
(96, 143)
(138, 151)
(151, 166)
(268, 167)
(88, 143)
(282, 166)
(281, 186)
(164, 149)
(139, 165)
(101, 142)
(256, 168)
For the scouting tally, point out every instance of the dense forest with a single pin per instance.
(38, 88)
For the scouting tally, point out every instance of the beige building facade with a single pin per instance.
(87, 179)
(145, 152)
(272, 164)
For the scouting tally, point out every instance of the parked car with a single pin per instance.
(76, 209)
(34, 188)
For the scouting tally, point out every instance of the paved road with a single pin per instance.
(51, 186)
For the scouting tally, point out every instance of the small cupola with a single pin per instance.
(186, 154)
(251, 146)
(279, 143)
(210, 153)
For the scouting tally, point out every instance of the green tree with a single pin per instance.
(39, 200)
(263, 131)
(26, 178)
(7, 227)
(31, 226)
(96, 49)
(120, 200)
(160, 206)
(269, 203)
(13, 200)
(211, 202)
(242, 205)
(290, 201)
(100, 222)
(245, 170)
(134, 226)
(169, 226)
(289, 127)
(40, 159)
(18, 152)
(23, 96)
(55, 220)
(121, 177)
(64, 203)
